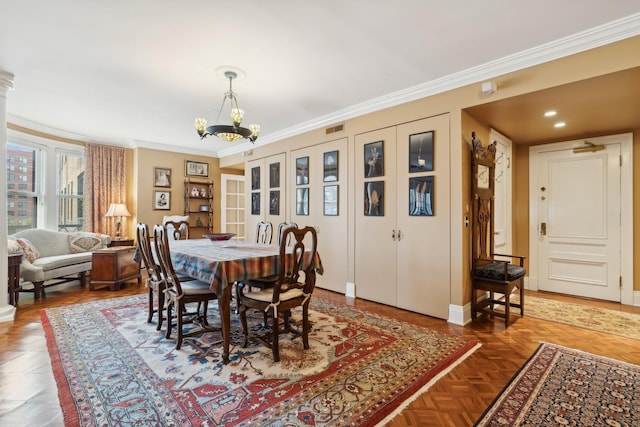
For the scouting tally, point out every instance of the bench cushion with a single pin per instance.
(495, 271)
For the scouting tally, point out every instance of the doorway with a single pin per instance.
(581, 213)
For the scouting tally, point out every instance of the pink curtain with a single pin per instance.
(105, 183)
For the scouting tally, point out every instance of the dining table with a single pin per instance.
(223, 263)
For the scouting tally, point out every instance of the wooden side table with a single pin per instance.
(121, 242)
(13, 281)
(114, 266)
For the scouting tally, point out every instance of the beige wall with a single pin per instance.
(604, 60)
(141, 186)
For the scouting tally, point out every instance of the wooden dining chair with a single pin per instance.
(294, 287)
(178, 293)
(179, 229)
(155, 281)
(283, 226)
(264, 232)
(492, 273)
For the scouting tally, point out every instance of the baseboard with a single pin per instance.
(459, 315)
(636, 299)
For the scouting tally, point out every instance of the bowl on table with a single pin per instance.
(218, 237)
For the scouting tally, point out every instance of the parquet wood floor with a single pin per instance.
(28, 393)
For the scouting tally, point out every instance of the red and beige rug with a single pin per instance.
(560, 386)
(112, 368)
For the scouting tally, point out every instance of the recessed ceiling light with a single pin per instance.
(559, 125)
(550, 113)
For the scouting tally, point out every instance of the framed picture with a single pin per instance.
(255, 203)
(302, 170)
(255, 178)
(161, 200)
(302, 201)
(274, 202)
(374, 159)
(193, 168)
(330, 166)
(374, 198)
(274, 175)
(421, 196)
(161, 177)
(203, 208)
(330, 200)
(421, 152)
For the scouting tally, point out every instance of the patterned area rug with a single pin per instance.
(584, 316)
(112, 368)
(561, 386)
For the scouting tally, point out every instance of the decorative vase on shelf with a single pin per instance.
(203, 192)
(195, 192)
(198, 222)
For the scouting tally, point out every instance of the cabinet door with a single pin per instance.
(330, 224)
(265, 200)
(375, 215)
(424, 249)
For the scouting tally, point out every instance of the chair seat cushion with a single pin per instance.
(194, 287)
(495, 271)
(266, 295)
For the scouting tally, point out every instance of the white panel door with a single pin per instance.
(579, 222)
(375, 241)
(330, 220)
(266, 192)
(232, 216)
(423, 246)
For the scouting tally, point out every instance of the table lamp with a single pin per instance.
(117, 210)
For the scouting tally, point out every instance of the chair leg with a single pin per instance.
(521, 299)
(275, 345)
(474, 305)
(169, 317)
(305, 326)
(151, 310)
(243, 319)
(507, 306)
(179, 311)
(161, 303)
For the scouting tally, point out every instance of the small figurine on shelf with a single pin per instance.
(195, 192)
(203, 192)
(198, 222)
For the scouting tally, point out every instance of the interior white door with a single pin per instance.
(502, 200)
(579, 230)
(232, 213)
(375, 244)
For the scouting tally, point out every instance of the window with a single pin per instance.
(42, 202)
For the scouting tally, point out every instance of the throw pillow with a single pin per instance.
(79, 244)
(30, 251)
(12, 246)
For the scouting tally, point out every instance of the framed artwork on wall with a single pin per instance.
(255, 178)
(374, 159)
(161, 177)
(161, 200)
(421, 196)
(421, 152)
(302, 170)
(193, 168)
(302, 201)
(374, 198)
(255, 203)
(330, 166)
(274, 175)
(274, 202)
(330, 200)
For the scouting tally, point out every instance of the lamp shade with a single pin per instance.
(118, 209)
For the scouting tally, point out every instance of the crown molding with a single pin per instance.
(592, 38)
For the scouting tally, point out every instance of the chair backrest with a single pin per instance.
(295, 259)
(161, 242)
(177, 226)
(483, 188)
(264, 232)
(146, 253)
(283, 226)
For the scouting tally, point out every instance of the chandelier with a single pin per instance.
(233, 132)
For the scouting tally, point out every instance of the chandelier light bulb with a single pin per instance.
(236, 116)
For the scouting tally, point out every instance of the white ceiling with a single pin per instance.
(137, 72)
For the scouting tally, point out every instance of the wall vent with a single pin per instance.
(333, 129)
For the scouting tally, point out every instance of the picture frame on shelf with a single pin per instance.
(330, 166)
(161, 200)
(203, 208)
(162, 177)
(330, 200)
(194, 168)
(421, 152)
